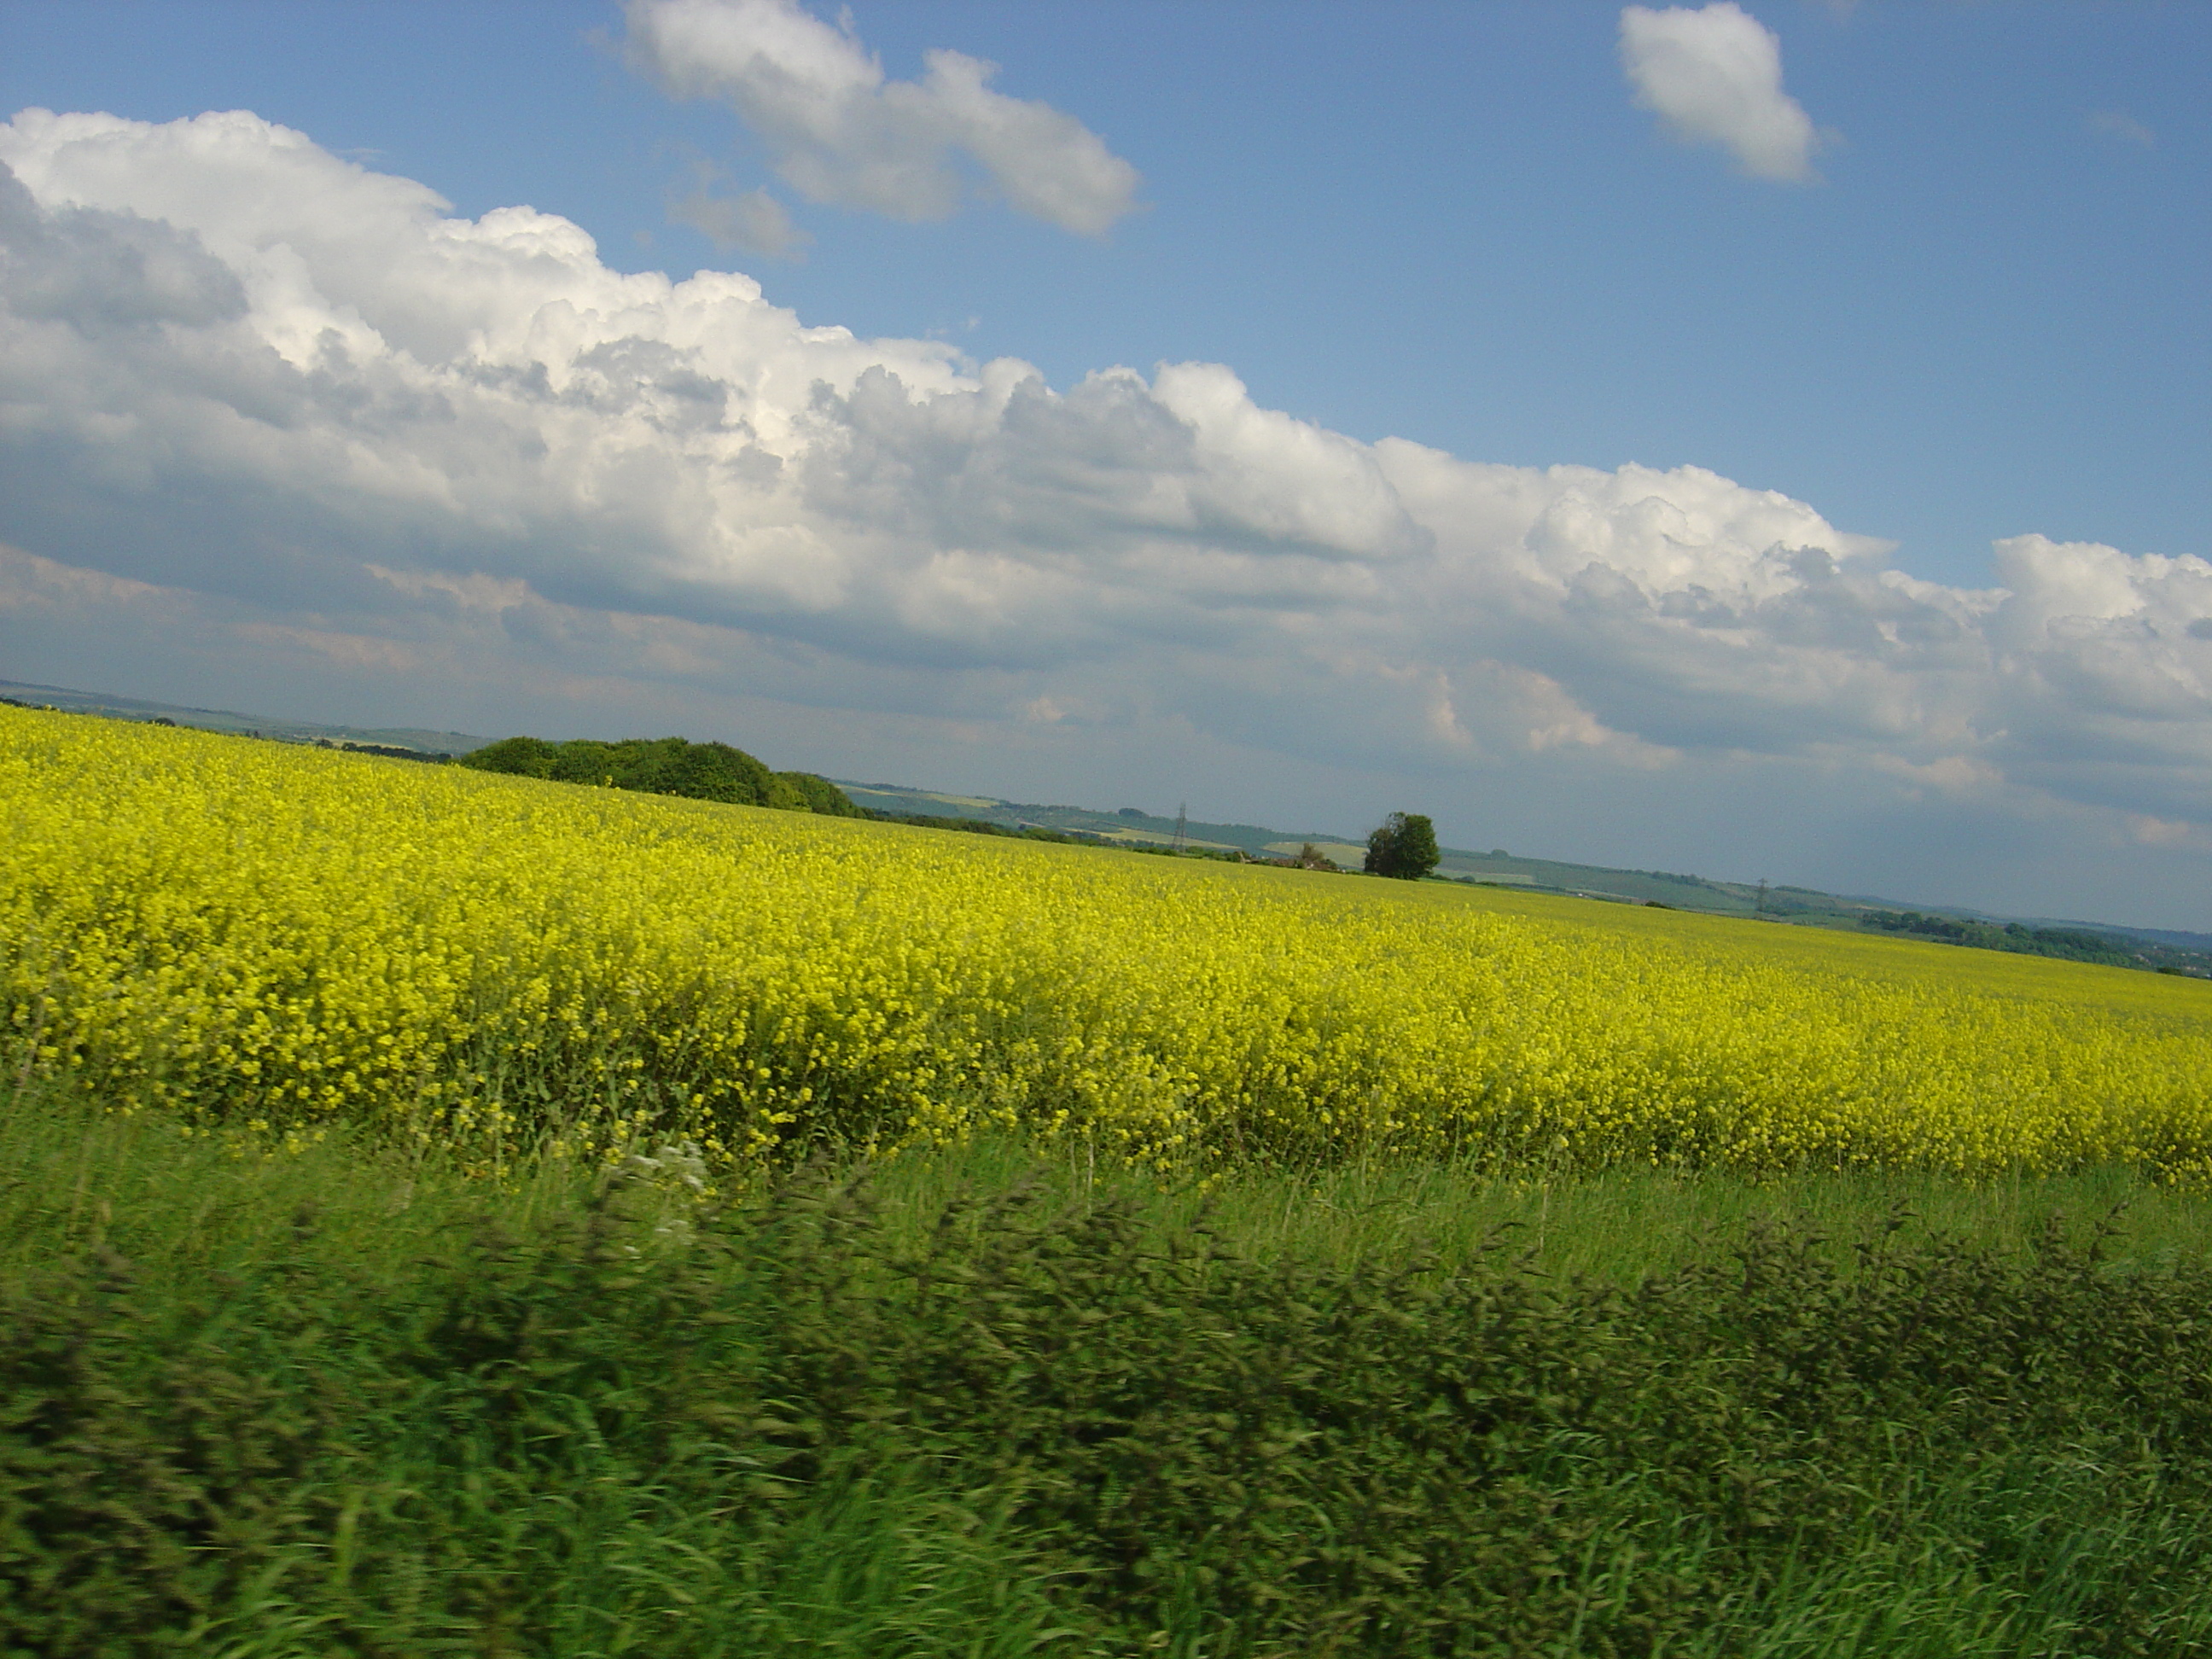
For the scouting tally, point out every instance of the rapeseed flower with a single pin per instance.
(267, 939)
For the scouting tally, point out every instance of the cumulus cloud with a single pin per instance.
(297, 408)
(1715, 75)
(842, 132)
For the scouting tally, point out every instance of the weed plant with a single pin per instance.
(336, 1405)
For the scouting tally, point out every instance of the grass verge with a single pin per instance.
(989, 1403)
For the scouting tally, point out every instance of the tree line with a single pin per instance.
(1404, 846)
(665, 766)
(2068, 944)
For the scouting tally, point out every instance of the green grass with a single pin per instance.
(180, 1208)
(1619, 1225)
(999, 1402)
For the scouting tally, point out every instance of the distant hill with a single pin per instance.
(1129, 824)
(226, 720)
(1803, 906)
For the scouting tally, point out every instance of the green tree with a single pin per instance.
(665, 766)
(805, 791)
(703, 771)
(525, 757)
(1403, 845)
(585, 760)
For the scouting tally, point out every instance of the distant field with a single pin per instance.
(914, 800)
(229, 720)
(1339, 852)
(275, 938)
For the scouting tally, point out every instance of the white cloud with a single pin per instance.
(290, 406)
(2118, 123)
(1714, 74)
(842, 132)
(2163, 832)
(753, 222)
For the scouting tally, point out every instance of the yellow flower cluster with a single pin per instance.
(277, 938)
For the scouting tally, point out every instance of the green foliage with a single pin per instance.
(521, 757)
(1403, 845)
(665, 765)
(617, 1418)
(814, 794)
(2070, 943)
(1038, 832)
(971, 826)
(2067, 944)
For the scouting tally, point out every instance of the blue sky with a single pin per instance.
(1940, 287)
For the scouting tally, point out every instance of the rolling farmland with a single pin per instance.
(271, 940)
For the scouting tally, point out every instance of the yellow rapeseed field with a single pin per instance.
(266, 939)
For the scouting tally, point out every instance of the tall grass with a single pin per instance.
(182, 1205)
(343, 1401)
(1618, 1225)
